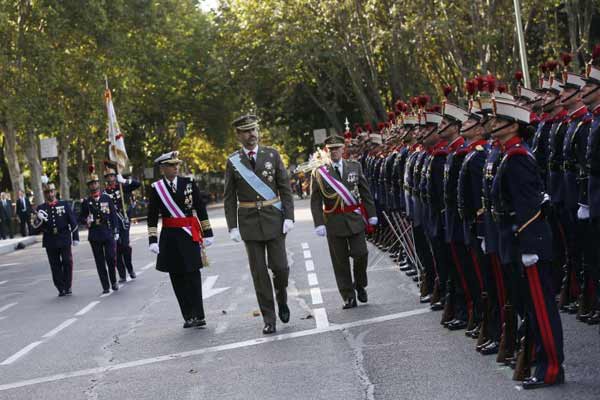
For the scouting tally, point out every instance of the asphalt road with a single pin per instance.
(131, 344)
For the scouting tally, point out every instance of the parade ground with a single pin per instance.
(130, 344)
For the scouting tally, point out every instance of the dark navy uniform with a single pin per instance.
(101, 235)
(180, 255)
(517, 199)
(124, 262)
(59, 232)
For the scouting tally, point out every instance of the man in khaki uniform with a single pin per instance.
(259, 209)
(342, 207)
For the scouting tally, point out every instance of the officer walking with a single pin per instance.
(60, 229)
(259, 209)
(342, 208)
(98, 212)
(182, 238)
(114, 184)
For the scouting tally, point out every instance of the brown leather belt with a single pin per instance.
(258, 204)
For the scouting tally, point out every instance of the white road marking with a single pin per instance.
(310, 265)
(207, 350)
(207, 287)
(59, 328)
(20, 353)
(307, 254)
(315, 294)
(304, 246)
(321, 318)
(149, 265)
(3, 282)
(6, 307)
(312, 279)
(87, 308)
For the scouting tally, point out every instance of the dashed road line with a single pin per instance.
(6, 307)
(310, 265)
(312, 279)
(87, 308)
(59, 328)
(315, 294)
(21, 353)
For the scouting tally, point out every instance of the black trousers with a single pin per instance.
(124, 263)
(104, 255)
(188, 290)
(547, 326)
(61, 265)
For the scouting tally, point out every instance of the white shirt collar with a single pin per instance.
(255, 150)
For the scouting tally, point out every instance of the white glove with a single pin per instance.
(154, 248)
(234, 235)
(116, 237)
(583, 212)
(288, 225)
(529, 259)
(208, 241)
(75, 243)
(120, 179)
(43, 215)
(373, 221)
(483, 245)
(320, 230)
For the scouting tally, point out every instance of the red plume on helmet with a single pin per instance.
(470, 86)
(519, 76)
(447, 90)
(566, 59)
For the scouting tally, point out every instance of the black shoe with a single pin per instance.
(106, 291)
(361, 294)
(350, 303)
(115, 287)
(61, 293)
(536, 383)
(269, 329)
(122, 280)
(437, 306)
(284, 313)
(68, 292)
(132, 274)
(457, 325)
(198, 322)
(425, 299)
(189, 323)
(491, 348)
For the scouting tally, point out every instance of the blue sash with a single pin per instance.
(254, 181)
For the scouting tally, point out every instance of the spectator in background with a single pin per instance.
(6, 215)
(24, 212)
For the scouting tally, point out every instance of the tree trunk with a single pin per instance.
(63, 166)
(32, 151)
(12, 158)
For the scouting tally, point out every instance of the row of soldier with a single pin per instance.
(104, 214)
(495, 206)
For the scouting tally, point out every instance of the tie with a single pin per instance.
(252, 160)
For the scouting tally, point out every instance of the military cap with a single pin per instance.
(168, 158)
(109, 168)
(246, 122)
(512, 112)
(334, 141)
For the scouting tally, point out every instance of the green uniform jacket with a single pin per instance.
(346, 224)
(265, 223)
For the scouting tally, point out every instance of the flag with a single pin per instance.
(116, 147)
